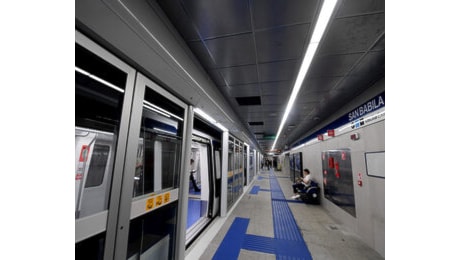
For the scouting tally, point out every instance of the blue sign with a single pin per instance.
(354, 117)
(370, 106)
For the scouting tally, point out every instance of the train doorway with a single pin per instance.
(203, 197)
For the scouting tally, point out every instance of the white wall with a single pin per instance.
(369, 223)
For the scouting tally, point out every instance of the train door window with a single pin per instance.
(100, 84)
(245, 159)
(154, 206)
(230, 173)
(199, 186)
(218, 171)
(158, 155)
(97, 165)
(240, 167)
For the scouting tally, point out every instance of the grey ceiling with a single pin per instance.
(253, 48)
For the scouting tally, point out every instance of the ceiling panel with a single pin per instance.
(274, 108)
(201, 51)
(218, 79)
(278, 71)
(353, 34)
(232, 51)
(257, 116)
(367, 72)
(244, 110)
(281, 43)
(318, 84)
(277, 87)
(217, 18)
(274, 13)
(356, 7)
(380, 45)
(240, 75)
(275, 100)
(263, 58)
(181, 19)
(332, 65)
(256, 128)
(372, 63)
(244, 90)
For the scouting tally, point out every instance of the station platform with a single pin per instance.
(267, 224)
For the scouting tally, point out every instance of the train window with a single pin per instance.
(99, 95)
(230, 157)
(99, 68)
(151, 236)
(160, 141)
(97, 165)
(99, 92)
(91, 248)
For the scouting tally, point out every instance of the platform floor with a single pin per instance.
(267, 224)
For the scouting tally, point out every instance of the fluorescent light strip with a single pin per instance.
(323, 19)
(161, 109)
(108, 84)
(223, 128)
(204, 115)
(210, 119)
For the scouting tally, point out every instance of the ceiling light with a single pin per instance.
(321, 24)
(210, 119)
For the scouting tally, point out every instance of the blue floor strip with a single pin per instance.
(288, 242)
(255, 189)
(260, 244)
(233, 240)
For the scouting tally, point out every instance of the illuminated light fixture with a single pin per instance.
(321, 24)
(108, 84)
(160, 110)
(223, 128)
(210, 119)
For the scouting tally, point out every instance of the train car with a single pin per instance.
(94, 157)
